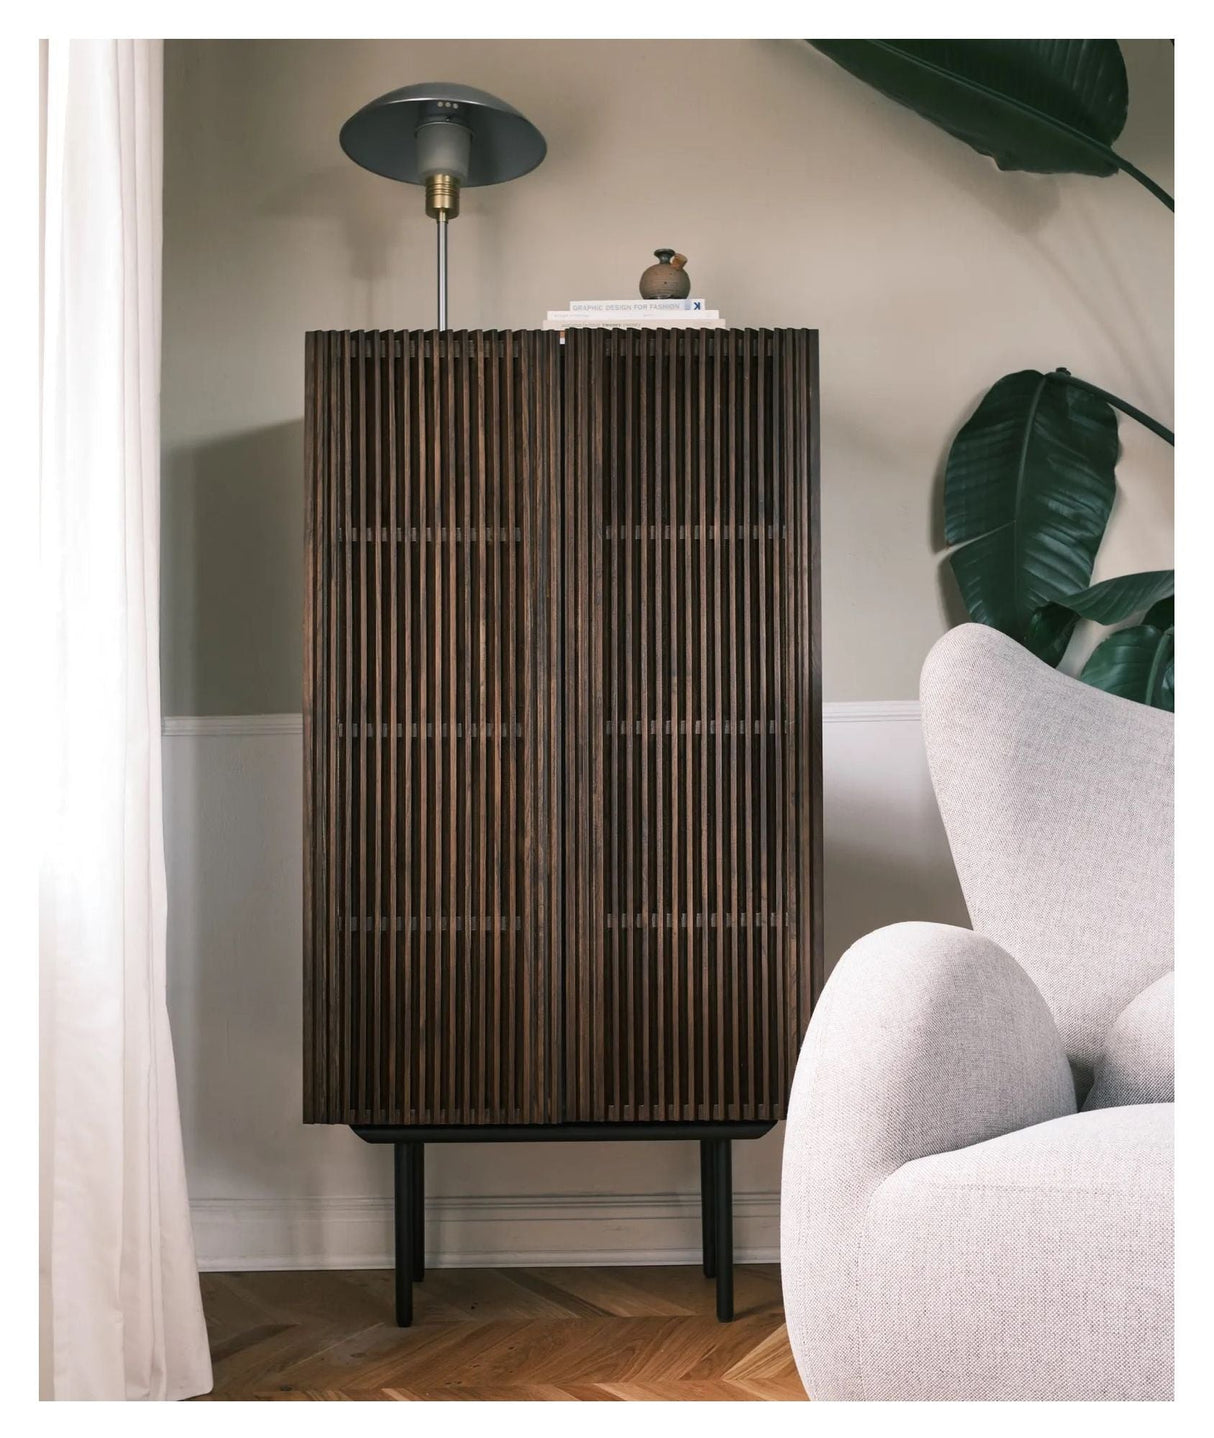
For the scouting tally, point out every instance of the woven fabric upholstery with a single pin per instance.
(1057, 799)
(1056, 1277)
(926, 1038)
(1136, 1060)
(950, 1226)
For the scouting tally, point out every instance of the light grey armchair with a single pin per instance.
(977, 1186)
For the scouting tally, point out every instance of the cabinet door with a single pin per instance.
(432, 866)
(692, 797)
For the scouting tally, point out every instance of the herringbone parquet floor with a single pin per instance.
(505, 1334)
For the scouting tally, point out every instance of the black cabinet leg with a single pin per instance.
(723, 1212)
(403, 1208)
(419, 1212)
(708, 1218)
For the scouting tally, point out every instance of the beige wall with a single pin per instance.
(801, 198)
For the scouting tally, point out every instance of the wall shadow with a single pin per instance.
(864, 890)
(231, 591)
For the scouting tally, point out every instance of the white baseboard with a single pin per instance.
(476, 1231)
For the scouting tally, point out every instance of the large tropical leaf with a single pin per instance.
(1027, 493)
(1113, 600)
(1137, 663)
(1161, 615)
(1050, 631)
(1050, 106)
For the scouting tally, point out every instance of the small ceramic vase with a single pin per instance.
(667, 280)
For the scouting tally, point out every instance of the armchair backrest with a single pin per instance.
(1058, 801)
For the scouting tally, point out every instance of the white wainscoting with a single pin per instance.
(271, 1192)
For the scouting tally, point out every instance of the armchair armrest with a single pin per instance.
(926, 1038)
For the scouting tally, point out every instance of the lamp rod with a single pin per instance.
(441, 221)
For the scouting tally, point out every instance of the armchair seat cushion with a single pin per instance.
(1035, 1265)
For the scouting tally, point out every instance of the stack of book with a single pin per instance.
(658, 314)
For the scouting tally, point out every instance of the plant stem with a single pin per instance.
(1162, 654)
(1145, 419)
(1145, 180)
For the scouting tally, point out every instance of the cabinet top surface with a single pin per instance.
(432, 334)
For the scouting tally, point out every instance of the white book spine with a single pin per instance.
(682, 317)
(662, 322)
(655, 305)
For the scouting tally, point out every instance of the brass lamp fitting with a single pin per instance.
(442, 197)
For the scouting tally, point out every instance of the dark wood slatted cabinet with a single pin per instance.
(562, 740)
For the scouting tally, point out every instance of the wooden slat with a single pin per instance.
(700, 819)
(779, 587)
(350, 916)
(329, 441)
(720, 851)
(372, 429)
(747, 492)
(600, 1008)
(814, 957)
(425, 551)
(613, 499)
(763, 481)
(523, 605)
(588, 937)
(735, 996)
(521, 630)
(659, 1076)
(313, 720)
(674, 668)
(553, 1102)
(516, 428)
(399, 849)
(489, 656)
(450, 478)
(358, 1070)
(571, 968)
(647, 725)
(436, 1094)
(626, 481)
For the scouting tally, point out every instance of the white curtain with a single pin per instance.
(121, 1312)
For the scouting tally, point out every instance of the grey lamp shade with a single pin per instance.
(382, 136)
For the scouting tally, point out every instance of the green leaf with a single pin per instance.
(1028, 489)
(1048, 106)
(1116, 599)
(1050, 631)
(1161, 615)
(1137, 663)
